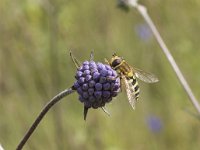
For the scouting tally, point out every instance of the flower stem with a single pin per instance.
(46, 108)
(143, 11)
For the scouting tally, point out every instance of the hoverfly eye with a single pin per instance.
(116, 62)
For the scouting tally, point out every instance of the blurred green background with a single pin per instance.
(35, 39)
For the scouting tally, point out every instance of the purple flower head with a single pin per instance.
(96, 84)
(144, 32)
(154, 124)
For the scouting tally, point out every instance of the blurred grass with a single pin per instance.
(35, 65)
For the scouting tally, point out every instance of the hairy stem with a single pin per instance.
(143, 11)
(46, 108)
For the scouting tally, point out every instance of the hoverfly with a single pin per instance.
(128, 76)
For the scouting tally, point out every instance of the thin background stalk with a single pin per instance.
(143, 11)
(52, 10)
(46, 108)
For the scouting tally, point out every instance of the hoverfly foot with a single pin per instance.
(112, 78)
(106, 60)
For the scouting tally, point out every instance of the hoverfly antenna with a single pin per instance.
(70, 52)
(114, 54)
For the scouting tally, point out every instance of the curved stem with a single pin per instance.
(169, 56)
(143, 11)
(46, 108)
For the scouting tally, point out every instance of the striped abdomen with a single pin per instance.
(133, 87)
(131, 83)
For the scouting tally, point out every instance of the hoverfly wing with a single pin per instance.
(145, 76)
(131, 96)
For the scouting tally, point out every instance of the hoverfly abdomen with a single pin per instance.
(133, 86)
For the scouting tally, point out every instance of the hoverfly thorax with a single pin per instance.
(116, 61)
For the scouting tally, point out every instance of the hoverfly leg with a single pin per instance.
(75, 61)
(104, 109)
(121, 84)
(92, 55)
(114, 54)
(112, 78)
(85, 112)
(106, 60)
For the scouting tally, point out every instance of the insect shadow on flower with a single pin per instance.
(96, 83)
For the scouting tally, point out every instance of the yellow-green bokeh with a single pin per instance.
(35, 39)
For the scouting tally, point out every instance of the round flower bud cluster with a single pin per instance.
(96, 84)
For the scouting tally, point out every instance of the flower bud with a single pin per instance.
(96, 84)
